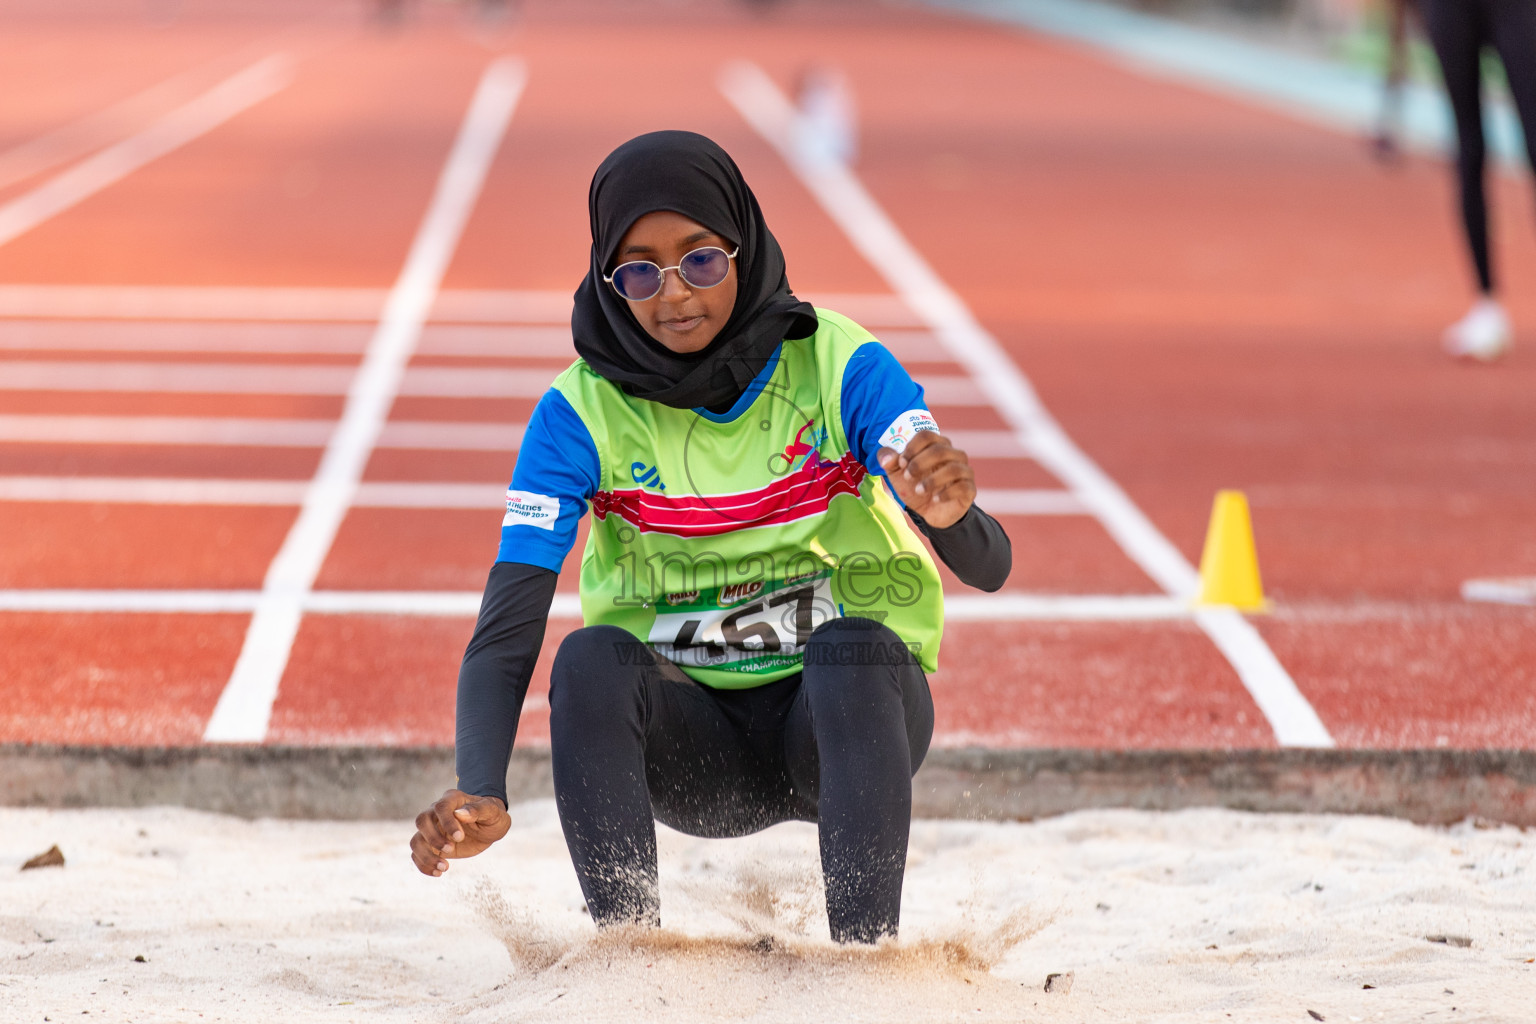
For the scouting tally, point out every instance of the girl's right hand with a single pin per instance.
(457, 825)
(932, 477)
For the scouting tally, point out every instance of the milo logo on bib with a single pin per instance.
(738, 592)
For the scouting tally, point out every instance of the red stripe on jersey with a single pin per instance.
(806, 492)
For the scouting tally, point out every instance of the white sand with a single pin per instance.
(1193, 916)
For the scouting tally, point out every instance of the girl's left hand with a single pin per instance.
(932, 476)
(457, 825)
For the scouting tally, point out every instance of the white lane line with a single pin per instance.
(502, 307)
(941, 390)
(551, 341)
(175, 378)
(109, 490)
(988, 444)
(238, 303)
(1294, 719)
(362, 305)
(910, 345)
(114, 490)
(1063, 608)
(269, 379)
(106, 490)
(469, 306)
(168, 602)
(231, 96)
(258, 433)
(1512, 590)
(432, 495)
(479, 437)
(276, 379)
(475, 382)
(153, 302)
(869, 309)
(993, 374)
(466, 604)
(503, 341)
(509, 341)
(333, 602)
(877, 237)
(139, 336)
(245, 706)
(1041, 502)
(93, 130)
(165, 430)
(284, 433)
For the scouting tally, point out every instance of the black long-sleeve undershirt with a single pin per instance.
(975, 548)
(494, 675)
(498, 664)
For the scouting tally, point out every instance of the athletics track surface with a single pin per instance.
(1203, 295)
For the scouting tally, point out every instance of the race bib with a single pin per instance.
(744, 627)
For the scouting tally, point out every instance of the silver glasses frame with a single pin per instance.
(662, 280)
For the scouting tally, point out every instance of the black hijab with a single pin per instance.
(690, 175)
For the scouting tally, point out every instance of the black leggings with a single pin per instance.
(634, 739)
(1459, 29)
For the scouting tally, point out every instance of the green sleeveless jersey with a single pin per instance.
(723, 543)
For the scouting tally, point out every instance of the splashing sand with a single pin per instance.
(772, 961)
(773, 969)
(1192, 916)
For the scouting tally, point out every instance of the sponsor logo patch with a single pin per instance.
(907, 426)
(646, 476)
(738, 592)
(525, 508)
(808, 574)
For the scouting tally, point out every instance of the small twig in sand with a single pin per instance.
(52, 857)
(1459, 941)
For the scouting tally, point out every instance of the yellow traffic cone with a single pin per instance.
(1229, 566)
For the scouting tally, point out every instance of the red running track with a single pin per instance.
(1205, 295)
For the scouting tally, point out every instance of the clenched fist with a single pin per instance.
(932, 477)
(457, 825)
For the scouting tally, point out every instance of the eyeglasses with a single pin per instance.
(641, 279)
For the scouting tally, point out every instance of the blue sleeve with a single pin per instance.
(557, 473)
(877, 392)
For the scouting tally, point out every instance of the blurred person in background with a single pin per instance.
(1386, 140)
(389, 13)
(396, 13)
(1459, 30)
(826, 125)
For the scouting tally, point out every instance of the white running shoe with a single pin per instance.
(1484, 333)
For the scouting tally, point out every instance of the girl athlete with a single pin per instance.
(1459, 30)
(759, 615)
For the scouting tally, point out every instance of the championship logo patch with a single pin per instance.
(527, 509)
(907, 426)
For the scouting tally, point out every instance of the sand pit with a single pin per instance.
(1189, 916)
